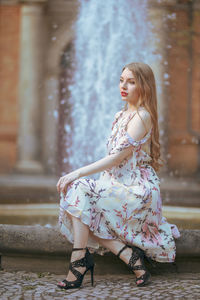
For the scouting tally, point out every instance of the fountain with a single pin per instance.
(109, 34)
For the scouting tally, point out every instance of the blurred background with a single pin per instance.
(60, 63)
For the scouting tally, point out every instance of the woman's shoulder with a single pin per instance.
(144, 116)
(144, 113)
(141, 118)
(141, 114)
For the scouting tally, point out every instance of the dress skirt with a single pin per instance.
(111, 210)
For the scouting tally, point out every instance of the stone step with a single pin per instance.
(28, 189)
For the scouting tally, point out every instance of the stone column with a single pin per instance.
(30, 79)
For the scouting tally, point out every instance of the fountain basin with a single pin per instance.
(40, 249)
(47, 215)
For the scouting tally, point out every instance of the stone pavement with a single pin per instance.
(35, 286)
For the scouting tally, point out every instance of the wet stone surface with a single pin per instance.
(35, 286)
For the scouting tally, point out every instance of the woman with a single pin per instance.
(122, 210)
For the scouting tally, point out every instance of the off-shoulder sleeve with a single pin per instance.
(127, 141)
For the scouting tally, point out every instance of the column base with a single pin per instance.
(29, 167)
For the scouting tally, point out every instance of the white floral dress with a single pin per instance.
(124, 203)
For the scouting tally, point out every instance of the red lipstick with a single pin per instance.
(124, 94)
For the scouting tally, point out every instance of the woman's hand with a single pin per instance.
(65, 180)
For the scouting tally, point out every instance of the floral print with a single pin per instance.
(124, 203)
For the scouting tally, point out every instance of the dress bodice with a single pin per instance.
(129, 169)
(120, 139)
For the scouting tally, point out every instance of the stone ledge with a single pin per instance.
(17, 188)
(32, 240)
(38, 248)
(49, 241)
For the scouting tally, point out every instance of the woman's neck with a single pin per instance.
(130, 108)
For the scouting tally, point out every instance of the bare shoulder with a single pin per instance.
(141, 121)
(144, 114)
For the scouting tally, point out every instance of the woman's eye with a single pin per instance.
(133, 82)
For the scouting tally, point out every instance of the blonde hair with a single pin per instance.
(146, 85)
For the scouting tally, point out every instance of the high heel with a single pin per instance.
(137, 253)
(150, 261)
(87, 262)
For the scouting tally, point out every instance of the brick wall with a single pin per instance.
(9, 74)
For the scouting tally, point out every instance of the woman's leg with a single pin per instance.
(115, 246)
(81, 233)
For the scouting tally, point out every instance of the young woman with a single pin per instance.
(122, 210)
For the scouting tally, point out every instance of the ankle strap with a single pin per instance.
(122, 250)
(76, 249)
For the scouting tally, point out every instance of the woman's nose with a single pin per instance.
(124, 86)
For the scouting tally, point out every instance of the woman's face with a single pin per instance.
(128, 87)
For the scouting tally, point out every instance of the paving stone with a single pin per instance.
(27, 285)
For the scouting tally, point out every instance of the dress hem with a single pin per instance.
(84, 222)
(99, 249)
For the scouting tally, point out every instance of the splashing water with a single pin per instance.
(109, 34)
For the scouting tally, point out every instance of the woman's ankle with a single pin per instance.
(125, 255)
(77, 254)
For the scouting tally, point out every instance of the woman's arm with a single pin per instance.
(136, 129)
(107, 162)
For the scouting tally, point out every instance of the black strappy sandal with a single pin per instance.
(137, 253)
(86, 261)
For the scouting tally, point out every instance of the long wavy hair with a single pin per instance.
(146, 85)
